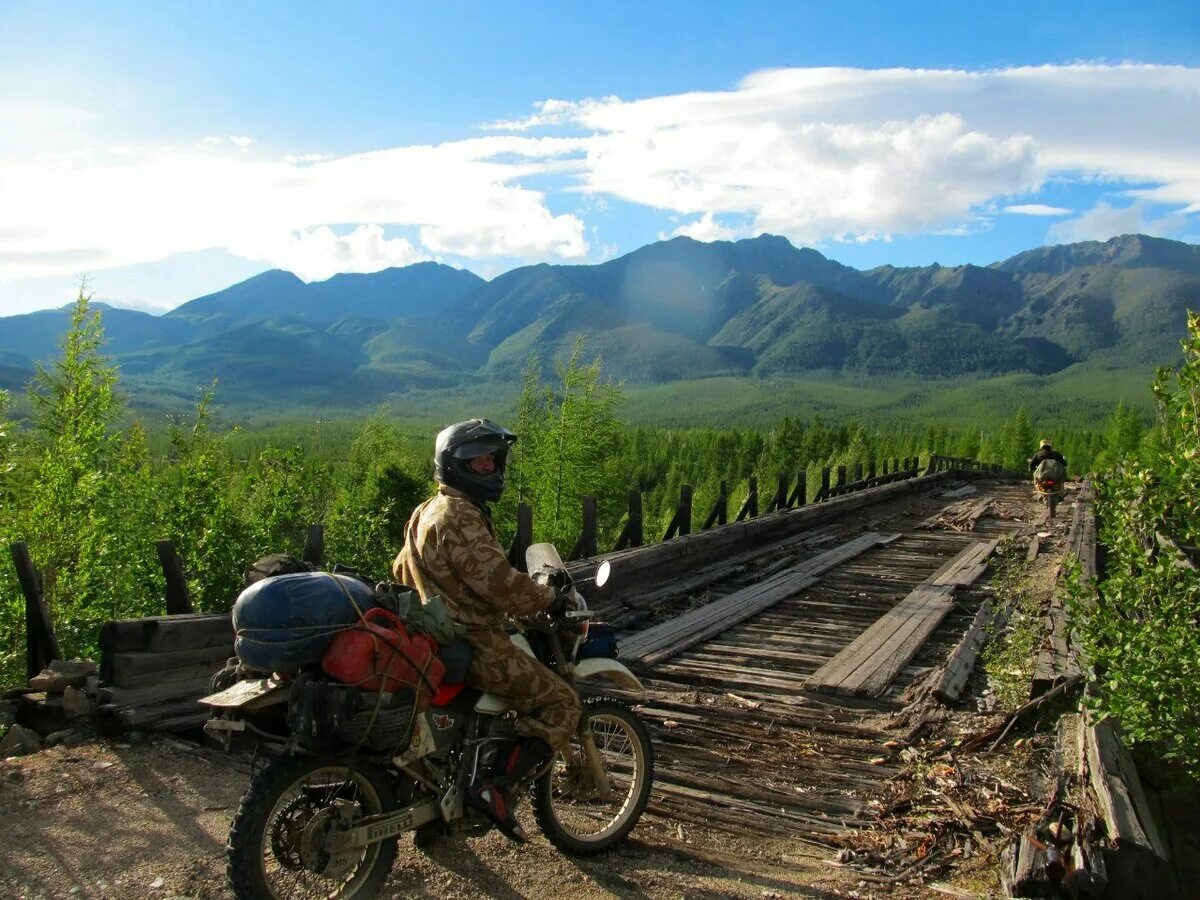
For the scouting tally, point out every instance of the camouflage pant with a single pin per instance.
(549, 705)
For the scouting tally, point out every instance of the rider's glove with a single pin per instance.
(564, 600)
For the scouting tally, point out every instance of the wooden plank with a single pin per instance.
(1117, 787)
(189, 673)
(870, 661)
(953, 675)
(723, 613)
(119, 696)
(901, 647)
(706, 621)
(823, 562)
(134, 662)
(187, 633)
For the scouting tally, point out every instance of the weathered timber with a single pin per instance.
(644, 569)
(681, 522)
(165, 633)
(719, 514)
(165, 676)
(967, 567)
(178, 601)
(952, 676)
(314, 546)
(586, 545)
(1118, 789)
(663, 641)
(869, 663)
(523, 538)
(41, 646)
(823, 491)
(779, 500)
(117, 697)
(799, 495)
(131, 663)
(749, 508)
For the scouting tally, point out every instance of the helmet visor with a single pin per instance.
(471, 449)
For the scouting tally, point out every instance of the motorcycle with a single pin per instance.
(353, 771)
(1049, 491)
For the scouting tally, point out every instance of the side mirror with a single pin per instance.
(603, 571)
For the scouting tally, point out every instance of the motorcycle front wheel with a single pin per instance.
(570, 809)
(277, 842)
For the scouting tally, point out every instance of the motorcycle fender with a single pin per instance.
(423, 743)
(610, 669)
(251, 694)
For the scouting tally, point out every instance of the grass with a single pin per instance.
(1009, 657)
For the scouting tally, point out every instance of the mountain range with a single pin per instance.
(674, 310)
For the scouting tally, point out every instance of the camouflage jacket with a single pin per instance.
(450, 549)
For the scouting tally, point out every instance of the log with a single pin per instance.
(952, 676)
(1117, 787)
(41, 645)
(165, 676)
(314, 546)
(178, 601)
(132, 663)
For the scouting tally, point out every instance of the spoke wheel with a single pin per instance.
(277, 842)
(570, 808)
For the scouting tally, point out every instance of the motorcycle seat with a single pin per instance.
(456, 657)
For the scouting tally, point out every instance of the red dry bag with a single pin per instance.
(377, 657)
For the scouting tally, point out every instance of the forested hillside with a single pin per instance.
(90, 488)
(674, 312)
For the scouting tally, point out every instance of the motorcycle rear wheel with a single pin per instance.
(274, 850)
(569, 812)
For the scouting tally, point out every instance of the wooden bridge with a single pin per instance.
(774, 645)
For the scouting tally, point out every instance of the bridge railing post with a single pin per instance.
(178, 601)
(41, 646)
(749, 508)
(523, 538)
(314, 546)
(585, 547)
(799, 496)
(719, 514)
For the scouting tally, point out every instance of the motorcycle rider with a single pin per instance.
(1045, 452)
(450, 549)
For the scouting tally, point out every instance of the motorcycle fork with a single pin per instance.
(592, 761)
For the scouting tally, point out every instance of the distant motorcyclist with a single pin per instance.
(1045, 452)
(451, 550)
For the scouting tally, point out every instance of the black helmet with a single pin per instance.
(457, 444)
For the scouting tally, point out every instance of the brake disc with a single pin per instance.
(338, 816)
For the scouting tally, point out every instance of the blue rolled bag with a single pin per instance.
(286, 622)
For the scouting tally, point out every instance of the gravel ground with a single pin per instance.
(149, 821)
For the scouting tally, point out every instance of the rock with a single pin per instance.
(63, 673)
(54, 738)
(157, 883)
(19, 741)
(75, 702)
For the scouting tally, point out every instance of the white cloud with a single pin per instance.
(1037, 209)
(818, 155)
(861, 154)
(706, 228)
(318, 253)
(103, 210)
(1103, 221)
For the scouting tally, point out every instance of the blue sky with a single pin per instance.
(170, 149)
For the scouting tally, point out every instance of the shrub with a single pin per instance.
(1143, 631)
